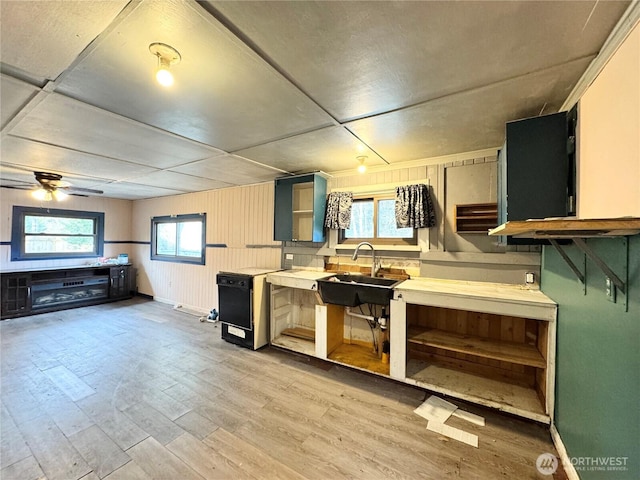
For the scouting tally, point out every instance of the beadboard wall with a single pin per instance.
(239, 234)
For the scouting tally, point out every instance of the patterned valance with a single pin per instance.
(338, 214)
(414, 207)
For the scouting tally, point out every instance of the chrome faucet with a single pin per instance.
(374, 266)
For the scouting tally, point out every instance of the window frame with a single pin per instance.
(175, 219)
(18, 234)
(395, 241)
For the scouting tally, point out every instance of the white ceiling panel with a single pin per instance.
(45, 37)
(224, 95)
(265, 88)
(330, 149)
(133, 191)
(68, 123)
(230, 169)
(466, 122)
(186, 183)
(14, 95)
(44, 157)
(365, 58)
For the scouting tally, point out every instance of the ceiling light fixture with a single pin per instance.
(167, 56)
(59, 195)
(42, 195)
(362, 167)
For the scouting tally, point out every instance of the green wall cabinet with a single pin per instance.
(536, 170)
(300, 203)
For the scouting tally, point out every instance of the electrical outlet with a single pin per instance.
(529, 277)
(610, 290)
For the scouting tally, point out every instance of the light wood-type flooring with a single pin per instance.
(136, 390)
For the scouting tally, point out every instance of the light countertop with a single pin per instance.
(501, 298)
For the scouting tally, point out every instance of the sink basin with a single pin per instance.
(353, 290)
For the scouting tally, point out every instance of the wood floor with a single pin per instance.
(136, 390)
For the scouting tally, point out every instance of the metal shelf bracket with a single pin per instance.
(572, 265)
(582, 245)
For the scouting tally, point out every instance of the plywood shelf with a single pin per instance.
(504, 396)
(512, 352)
(295, 344)
(299, 332)
(569, 228)
(476, 217)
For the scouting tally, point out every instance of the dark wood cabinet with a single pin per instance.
(48, 290)
(300, 203)
(536, 169)
(16, 294)
(119, 283)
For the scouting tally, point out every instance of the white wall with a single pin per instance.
(609, 137)
(240, 218)
(117, 218)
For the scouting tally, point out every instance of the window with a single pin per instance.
(47, 233)
(373, 219)
(179, 238)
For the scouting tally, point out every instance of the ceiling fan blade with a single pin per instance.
(81, 190)
(21, 187)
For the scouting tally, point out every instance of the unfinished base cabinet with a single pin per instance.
(293, 304)
(475, 345)
(343, 346)
(491, 344)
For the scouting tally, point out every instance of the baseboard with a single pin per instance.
(190, 309)
(569, 469)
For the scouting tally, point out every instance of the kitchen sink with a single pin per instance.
(353, 290)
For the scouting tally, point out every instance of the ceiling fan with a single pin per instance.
(51, 186)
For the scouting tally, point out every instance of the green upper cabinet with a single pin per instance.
(300, 203)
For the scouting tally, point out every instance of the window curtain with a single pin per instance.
(414, 207)
(338, 213)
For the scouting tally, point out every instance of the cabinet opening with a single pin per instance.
(490, 356)
(351, 341)
(293, 322)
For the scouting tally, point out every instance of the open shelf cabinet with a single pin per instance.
(488, 358)
(476, 217)
(293, 324)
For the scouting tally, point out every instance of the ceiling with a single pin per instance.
(270, 88)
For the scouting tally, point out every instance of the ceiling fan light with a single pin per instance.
(59, 195)
(42, 195)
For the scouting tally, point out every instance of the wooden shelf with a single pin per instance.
(507, 397)
(299, 332)
(569, 228)
(513, 352)
(294, 344)
(476, 217)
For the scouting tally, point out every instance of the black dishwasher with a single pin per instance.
(243, 302)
